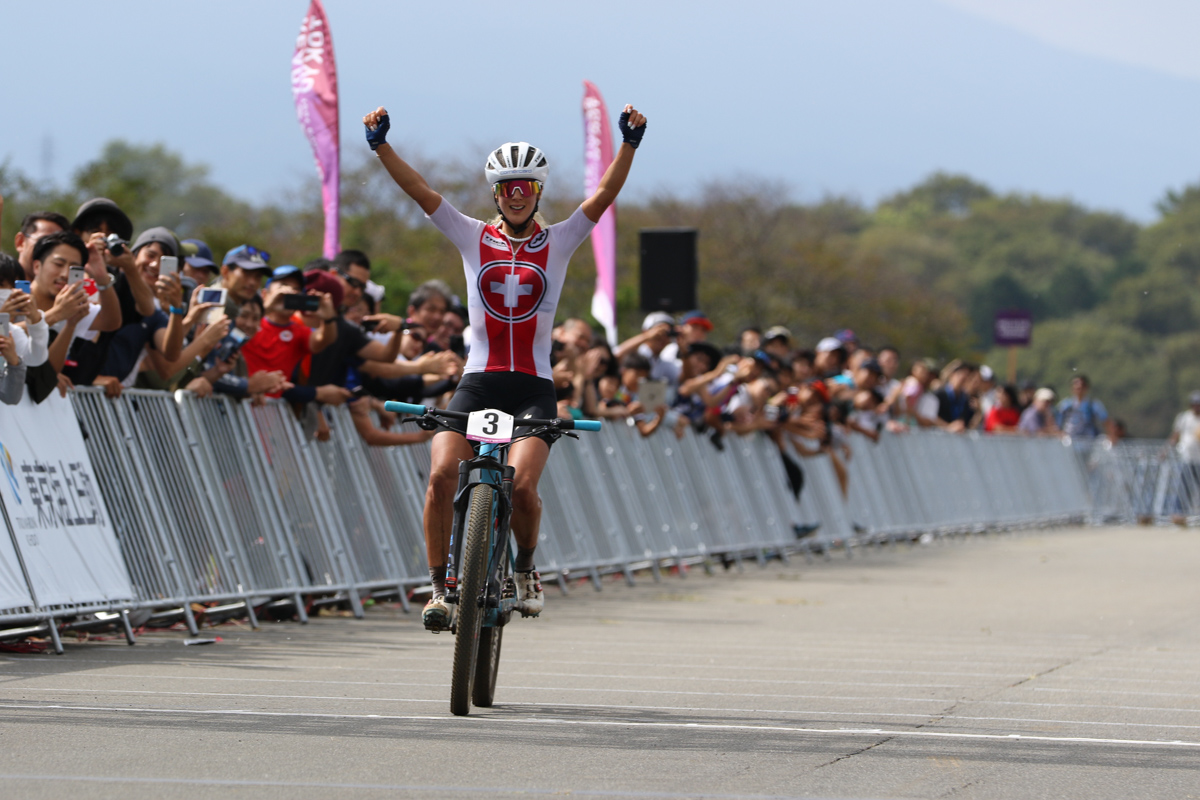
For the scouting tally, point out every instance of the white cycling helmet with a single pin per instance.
(516, 161)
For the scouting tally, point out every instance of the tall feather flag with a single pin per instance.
(597, 155)
(315, 89)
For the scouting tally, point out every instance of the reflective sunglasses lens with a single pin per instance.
(510, 189)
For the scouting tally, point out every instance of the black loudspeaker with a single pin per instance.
(668, 268)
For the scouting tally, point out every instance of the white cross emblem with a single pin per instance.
(512, 289)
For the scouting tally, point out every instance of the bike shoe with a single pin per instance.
(530, 598)
(438, 615)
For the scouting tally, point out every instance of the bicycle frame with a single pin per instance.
(487, 468)
(480, 619)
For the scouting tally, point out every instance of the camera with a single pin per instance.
(301, 302)
(458, 346)
(116, 245)
(369, 325)
(231, 344)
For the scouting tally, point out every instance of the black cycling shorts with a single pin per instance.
(517, 393)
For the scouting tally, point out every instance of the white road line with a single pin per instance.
(690, 726)
(542, 674)
(694, 710)
(1112, 691)
(939, 700)
(471, 790)
(1021, 673)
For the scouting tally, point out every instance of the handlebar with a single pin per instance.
(561, 424)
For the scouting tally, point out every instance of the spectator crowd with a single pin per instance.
(86, 303)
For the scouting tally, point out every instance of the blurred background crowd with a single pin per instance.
(93, 302)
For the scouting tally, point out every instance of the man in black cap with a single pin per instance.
(145, 323)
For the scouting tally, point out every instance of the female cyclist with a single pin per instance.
(515, 268)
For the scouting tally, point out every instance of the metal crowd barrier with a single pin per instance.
(226, 504)
(1141, 481)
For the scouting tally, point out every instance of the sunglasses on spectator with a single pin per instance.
(509, 189)
(354, 283)
(254, 252)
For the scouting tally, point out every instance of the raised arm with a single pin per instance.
(377, 124)
(633, 126)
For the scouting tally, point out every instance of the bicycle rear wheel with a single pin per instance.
(488, 661)
(470, 588)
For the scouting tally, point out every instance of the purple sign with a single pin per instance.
(1012, 328)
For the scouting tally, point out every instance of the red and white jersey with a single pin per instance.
(513, 287)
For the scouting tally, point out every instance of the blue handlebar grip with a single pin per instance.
(405, 408)
(587, 424)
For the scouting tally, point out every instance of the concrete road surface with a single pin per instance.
(1060, 664)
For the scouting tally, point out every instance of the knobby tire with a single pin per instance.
(470, 587)
(488, 660)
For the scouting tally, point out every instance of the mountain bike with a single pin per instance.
(480, 564)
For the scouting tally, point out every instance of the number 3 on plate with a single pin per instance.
(490, 425)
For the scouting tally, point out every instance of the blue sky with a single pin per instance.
(1096, 100)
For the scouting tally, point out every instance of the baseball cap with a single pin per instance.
(1194, 398)
(986, 373)
(1048, 394)
(777, 332)
(162, 236)
(829, 344)
(285, 271)
(202, 258)
(247, 257)
(764, 358)
(321, 281)
(122, 225)
(697, 318)
(845, 335)
(657, 318)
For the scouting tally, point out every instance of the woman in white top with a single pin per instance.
(515, 267)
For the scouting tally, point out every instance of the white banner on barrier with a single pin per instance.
(59, 521)
(14, 593)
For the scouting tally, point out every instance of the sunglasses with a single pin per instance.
(509, 189)
(354, 283)
(254, 253)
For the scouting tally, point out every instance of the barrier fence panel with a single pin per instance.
(210, 564)
(356, 500)
(316, 538)
(147, 547)
(1142, 481)
(400, 480)
(234, 473)
(213, 500)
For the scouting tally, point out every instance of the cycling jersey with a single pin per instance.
(513, 287)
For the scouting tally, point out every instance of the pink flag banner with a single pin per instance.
(597, 155)
(314, 87)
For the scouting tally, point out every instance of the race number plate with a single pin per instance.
(490, 425)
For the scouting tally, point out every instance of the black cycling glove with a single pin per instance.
(631, 136)
(379, 135)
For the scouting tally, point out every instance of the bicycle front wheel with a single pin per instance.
(484, 690)
(470, 591)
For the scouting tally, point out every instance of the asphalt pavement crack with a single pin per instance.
(858, 752)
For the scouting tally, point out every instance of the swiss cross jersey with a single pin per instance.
(513, 287)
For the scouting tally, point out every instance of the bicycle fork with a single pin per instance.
(471, 474)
